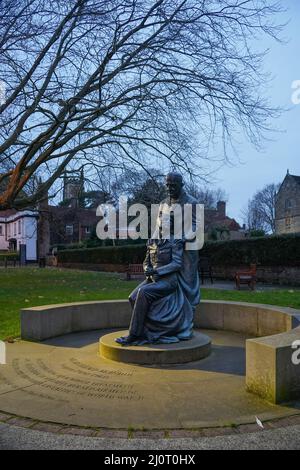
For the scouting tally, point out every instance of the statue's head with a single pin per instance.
(174, 185)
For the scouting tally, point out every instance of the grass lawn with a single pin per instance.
(28, 287)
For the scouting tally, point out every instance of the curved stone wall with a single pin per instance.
(48, 321)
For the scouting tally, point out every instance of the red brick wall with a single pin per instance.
(269, 274)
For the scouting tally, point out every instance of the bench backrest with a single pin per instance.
(135, 268)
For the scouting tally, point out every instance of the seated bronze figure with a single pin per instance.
(164, 304)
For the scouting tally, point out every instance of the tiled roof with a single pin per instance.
(297, 178)
(213, 218)
(7, 213)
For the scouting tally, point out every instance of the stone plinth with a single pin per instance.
(194, 349)
(272, 373)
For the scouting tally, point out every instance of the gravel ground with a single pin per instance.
(15, 438)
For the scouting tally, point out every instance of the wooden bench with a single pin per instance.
(11, 261)
(246, 277)
(134, 270)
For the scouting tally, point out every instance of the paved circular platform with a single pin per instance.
(198, 347)
(64, 383)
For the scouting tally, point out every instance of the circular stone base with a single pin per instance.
(62, 384)
(198, 347)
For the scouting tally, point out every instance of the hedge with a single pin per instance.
(70, 246)
(134, 254)
(267, 251)
(9, 255)
(94, 243)
(281, 250)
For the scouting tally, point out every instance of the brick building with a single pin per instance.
(287, 207)
(219, 225)
(71, 224)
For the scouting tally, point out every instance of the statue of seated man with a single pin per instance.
(164, 304)
(163, 261)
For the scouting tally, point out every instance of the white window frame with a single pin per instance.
(69, 230)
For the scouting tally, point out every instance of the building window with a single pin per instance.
(288, 204)
(1, 230)
(15, 229)
(19, 227)
(87, 230)
(288, 223)
(69, 230)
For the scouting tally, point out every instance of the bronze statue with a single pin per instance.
(163, 305)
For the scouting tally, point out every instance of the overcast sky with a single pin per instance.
(257, 169)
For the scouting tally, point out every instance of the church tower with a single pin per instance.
(73, 190)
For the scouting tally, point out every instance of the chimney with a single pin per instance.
(221, 208)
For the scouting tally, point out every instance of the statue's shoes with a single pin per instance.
(129, 340)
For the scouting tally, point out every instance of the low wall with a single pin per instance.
(270, 274)
(270, 372)
(48, 321)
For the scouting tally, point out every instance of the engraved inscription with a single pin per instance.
(75, 378)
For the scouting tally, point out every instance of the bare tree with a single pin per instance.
(252, 217)
(207, 196)
(113, 84)
(260, 212)
(139, 186)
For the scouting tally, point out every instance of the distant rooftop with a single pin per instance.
(8, 213)
(297, 178)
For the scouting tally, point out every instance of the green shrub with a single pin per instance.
(9, 255)
(94, 243)
(269, 251)
(70, 246)
(134, 254)
(257, 233)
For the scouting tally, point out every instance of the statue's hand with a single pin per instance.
(155, 276)
(149, 271)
